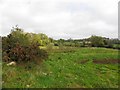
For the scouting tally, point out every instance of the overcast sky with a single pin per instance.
(61, 18)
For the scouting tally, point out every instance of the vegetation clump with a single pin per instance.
(19, 47)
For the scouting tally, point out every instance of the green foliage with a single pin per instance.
(116, 46)
(112, 43)
(44, 39)
(16, 36)
(21, 47)
(40, 38)
(96, 41)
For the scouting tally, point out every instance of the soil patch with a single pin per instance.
(106, 61)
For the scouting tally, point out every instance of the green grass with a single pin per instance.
(63, 69)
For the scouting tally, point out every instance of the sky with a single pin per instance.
(61, 18)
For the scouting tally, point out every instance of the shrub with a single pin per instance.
(24, 54)
(18, 47)
(116, 46)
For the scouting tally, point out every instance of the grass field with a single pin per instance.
(67, 68)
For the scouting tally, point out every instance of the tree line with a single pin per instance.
(93, 41)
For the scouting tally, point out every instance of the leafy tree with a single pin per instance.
(96, 41)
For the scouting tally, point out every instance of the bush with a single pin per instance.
(17, 47)
(24, 54)
(116, 46)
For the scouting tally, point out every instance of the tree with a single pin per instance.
(97, 41)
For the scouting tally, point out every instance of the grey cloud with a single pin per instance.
(61, 18)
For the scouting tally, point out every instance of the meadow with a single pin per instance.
(66, 68)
